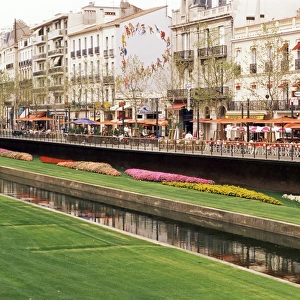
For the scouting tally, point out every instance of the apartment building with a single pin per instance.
(100, 53)
(10, 86)
(202, 35)
(268, 57)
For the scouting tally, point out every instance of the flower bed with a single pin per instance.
(227, 190)
(101, 168)
(291, 197)
(140, 174)
(15, 155)
(52, 160)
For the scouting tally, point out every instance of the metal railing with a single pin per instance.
(235, 149)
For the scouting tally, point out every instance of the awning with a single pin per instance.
(114, 107)
(297, 46)
(292, 126)
(125, 106)
(176, 106)
(153, 122)
(296, 84)
(282, 85)
(284, 47)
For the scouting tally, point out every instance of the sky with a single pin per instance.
(36, 11)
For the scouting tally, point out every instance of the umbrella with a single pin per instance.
(247, 120)
(221, 121)
(282, 120)
(241, 128)
(85, 121)
(265, 129)
(253, 129)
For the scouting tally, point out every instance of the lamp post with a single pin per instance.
(156, 116)
(248, 116)
(188, 87)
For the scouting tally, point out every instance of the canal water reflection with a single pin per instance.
(268, 258)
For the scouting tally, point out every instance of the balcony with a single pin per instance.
(253, 68)
(105, 53)
(108, 79)
(297, 64)
(187, 55)
(39, 57)
(177, 94)
(57, 70)
(57, 33)
(268, 67)
(84, 52)
(261, 105)
(39, 73)
(216, 51)
(91, 51)
(25, 63)
(111, 53)
(56, 52)
(97, 50)
(78, 53)
(285, 66)
(54, 88)
(9, 66)
(40, 39)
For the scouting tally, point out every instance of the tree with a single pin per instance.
(215, 70)
(6, 92)
(132, 84)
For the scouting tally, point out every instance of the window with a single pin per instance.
(185, 41)
(85, 69)
(98, 68)
(221, 35)
(98, 40)
(112, 42)
(79, 44)
(92, 68)
(253, 55)
(92, 42)
(106, 43)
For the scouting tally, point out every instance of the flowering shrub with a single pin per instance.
(227, 190)
(140, 174)
(51, 160)
(15, 155)
(101, 168)
(291, 197)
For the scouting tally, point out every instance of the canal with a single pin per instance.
(265, 257)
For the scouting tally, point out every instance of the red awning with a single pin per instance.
(297, 46)
(296, 84)
(284, 47)
(176, 106)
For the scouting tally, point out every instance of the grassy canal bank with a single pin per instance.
(47, 255)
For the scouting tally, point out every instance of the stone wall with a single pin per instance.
(272, 175)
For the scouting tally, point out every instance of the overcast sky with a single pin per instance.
(35, 11)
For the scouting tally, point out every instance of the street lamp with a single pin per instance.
(188, 87)
(248, 116)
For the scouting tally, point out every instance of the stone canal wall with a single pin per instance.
(254, 227)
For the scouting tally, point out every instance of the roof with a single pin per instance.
(118, 21)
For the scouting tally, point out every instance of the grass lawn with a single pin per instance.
(48, 255)
(289, 212)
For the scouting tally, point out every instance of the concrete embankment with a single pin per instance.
(259, 228)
